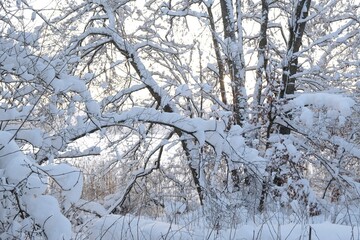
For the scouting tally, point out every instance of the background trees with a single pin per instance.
(224, 104)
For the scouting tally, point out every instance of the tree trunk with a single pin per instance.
(262, 62)
(219, 60)
(235, 62)
(296, 29)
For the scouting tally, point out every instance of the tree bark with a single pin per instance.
(262, 62)
(296, 30)
(219, 60)
(234, 52)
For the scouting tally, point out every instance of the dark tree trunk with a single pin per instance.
(219, 60)
(234, 59)
(296, 30)
(290, 68)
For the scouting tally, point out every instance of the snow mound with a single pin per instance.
(114, 227)
(331, 101)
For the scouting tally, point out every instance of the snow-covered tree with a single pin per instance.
(30, 84)
(176, 104)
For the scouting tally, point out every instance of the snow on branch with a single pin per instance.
(182, 13)
(129, 51)
(212, 132)
(332, 101)
(25, 194)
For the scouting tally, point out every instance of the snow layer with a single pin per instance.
(23, 175)
(69, 179)
(46, 212)
(331, 101)
(113, 227)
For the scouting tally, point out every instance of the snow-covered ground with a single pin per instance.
(132, 227)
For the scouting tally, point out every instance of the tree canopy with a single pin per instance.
(158, 108)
